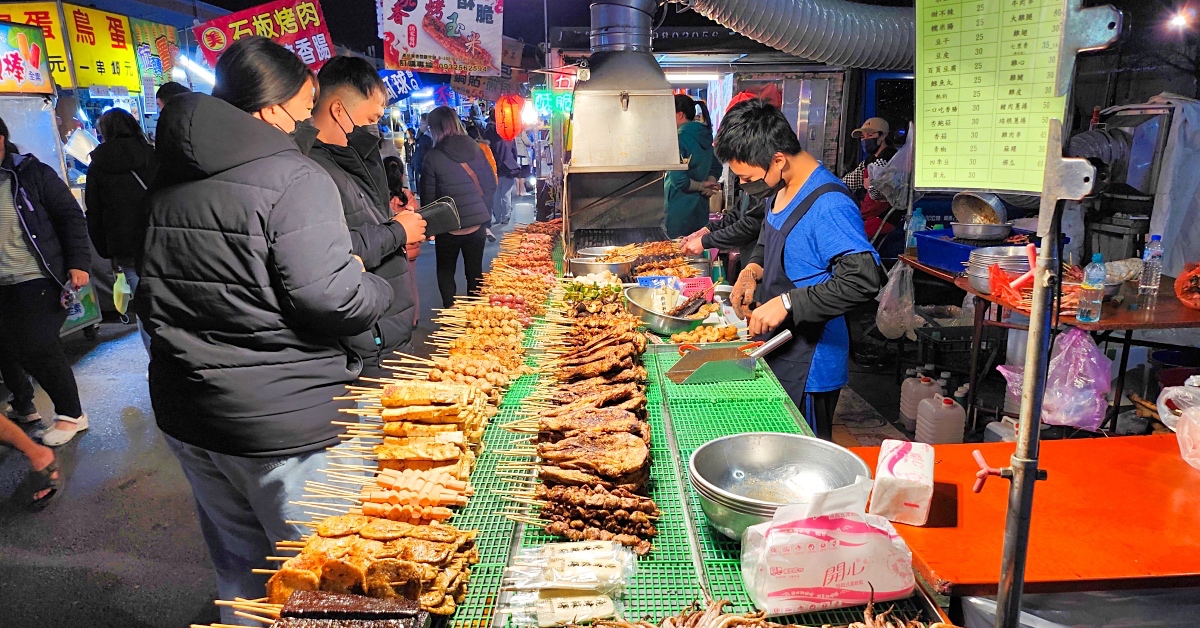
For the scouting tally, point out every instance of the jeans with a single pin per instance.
(446, 250)
(244, 508)
(131, 277)
(31, 315)
(502, 204)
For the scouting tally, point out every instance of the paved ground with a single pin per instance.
(120, 547)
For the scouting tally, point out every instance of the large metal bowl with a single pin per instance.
(979, 208)
(637, 302)
(580, 266)
(768, 469)
(596, 251)
(982, 284)
(973, 231)
(729, 521)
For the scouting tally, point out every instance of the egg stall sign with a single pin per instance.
(24, 68)
(298, 25)
(443, 36)
(102, 48)
(43, 15)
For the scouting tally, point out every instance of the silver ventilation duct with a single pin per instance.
(835, 32)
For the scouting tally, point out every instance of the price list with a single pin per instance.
(985, 76)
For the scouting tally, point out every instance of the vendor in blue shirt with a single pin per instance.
(813, 262)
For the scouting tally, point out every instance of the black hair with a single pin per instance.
(356, 73)
(256, 73)
(473, 131)
(394, 168)
(704, 115)
(169, 90)
(117, 123)
(685, 105)
(444, 122)
(752, 131)
(9, 147)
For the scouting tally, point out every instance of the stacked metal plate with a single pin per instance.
(1011, 259)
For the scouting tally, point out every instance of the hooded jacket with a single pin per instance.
(442, 174)
(247, 283)
(374, 237)
(688, 211)
(116, 198)
(53, 222)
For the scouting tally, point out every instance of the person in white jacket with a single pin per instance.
(525, 145)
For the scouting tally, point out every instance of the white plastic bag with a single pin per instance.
(1186, 399)
(825, 554)
(896, 313)
(1076, 382)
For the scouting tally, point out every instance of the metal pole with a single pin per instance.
(62, 18)
(1024, 462)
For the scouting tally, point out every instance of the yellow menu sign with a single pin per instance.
(985, 77)
(102, 46)
(45, 16)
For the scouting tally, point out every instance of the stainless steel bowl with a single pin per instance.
(580, 266)
(769, 469)
(999, 252)
(637, 302)
(982, 284)
(979, 207)
(729, 521)
(973, 231)
(596, 251)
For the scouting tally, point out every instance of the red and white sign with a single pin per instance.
(298, 25)
(443, 36)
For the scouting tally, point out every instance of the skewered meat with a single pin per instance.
(552, 475)
(610, 455)
(610, 420)
(594, 369)
(620, 392)
(639, 546)
(579, 518)
(567, 393)
(617, 351)
(597, 497)
(414, 393)
(325, 605)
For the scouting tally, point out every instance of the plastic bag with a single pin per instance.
(1076, 382)
(894, 178)
(1174, 400)
(825, 554)
(896, 313)
(121, 293)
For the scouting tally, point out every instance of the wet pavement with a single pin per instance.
(120, 545)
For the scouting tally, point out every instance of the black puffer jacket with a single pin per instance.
(442, 174)
(56, 227)
(116, 199)
(247, 285)
(374, 237)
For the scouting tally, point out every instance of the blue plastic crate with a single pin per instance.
(938, 248)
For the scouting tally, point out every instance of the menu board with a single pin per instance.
(985, 81)
(24, 67)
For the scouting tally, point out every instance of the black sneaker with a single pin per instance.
(23, 412)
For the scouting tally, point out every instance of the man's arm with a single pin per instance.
(744, 228)
(856, 279)
(373, 243)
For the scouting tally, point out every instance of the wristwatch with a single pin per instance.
(787, 302)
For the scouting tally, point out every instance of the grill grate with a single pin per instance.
(585, 238)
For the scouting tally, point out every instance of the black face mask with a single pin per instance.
(363, 139)
(871, 145)
(760, 190)
(305, 133)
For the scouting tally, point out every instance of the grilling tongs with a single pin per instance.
(721, 364)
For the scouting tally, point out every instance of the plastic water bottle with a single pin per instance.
(915, 224)
(1151, 267)
(1091, 293)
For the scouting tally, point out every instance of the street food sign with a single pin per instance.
(155, 46)
(298, 25)
(102, 48)
(24, 67)
(985, 91)
(43, 15)
(443, 36)
(400, 84)
(548, 101)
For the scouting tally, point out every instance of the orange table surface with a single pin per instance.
(1115, 513)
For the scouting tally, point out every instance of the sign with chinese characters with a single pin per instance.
(985, 75)
(102, 48)
(43, 15)
(24, 67)
(490, 88)
(443, 36)
(297, 25)
(400, 84)
(548, 102)
(155, 46)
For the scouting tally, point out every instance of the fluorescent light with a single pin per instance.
(423, 93)
(684, 77)
(177, 74)
(198, 71)
(528, 113)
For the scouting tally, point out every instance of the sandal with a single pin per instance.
(43, 480)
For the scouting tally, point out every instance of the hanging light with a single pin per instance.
(508, 116)
(529, 113)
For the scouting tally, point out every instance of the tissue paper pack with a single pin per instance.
(903, 482)
(825, 554)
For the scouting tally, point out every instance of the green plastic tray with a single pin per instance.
(476, 611)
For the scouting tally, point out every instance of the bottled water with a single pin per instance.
(1091, 293)
(1151, 267)
(915, 224)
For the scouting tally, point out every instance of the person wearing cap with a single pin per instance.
(878, 151)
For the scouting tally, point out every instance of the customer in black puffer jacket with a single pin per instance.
(121, 171)
(342, 137)
(456, 167)
(247, 285)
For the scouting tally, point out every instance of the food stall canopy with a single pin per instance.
(985, 75)
(298, 25)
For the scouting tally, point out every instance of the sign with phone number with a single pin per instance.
(985, 75)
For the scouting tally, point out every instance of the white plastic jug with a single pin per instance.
(912, 392)
(1182, 397)
(940, 421)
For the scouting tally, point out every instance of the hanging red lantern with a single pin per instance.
(508, 116)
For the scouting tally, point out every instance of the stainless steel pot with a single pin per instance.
(637, 302)
(973, 231)
(580, 266)
(979, 208)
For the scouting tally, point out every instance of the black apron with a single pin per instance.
(792, 361)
